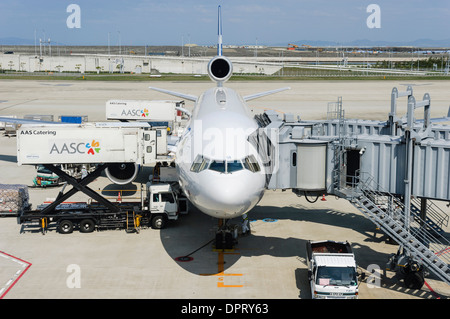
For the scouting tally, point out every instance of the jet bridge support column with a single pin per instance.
(423, 209)
(408, 177)
(393, 119)
(410, 138)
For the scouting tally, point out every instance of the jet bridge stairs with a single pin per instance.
(421, 240)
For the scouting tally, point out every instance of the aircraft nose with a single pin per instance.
(231, 196)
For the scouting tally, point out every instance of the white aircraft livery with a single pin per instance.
(219, 170)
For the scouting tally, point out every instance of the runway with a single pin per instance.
(268, 264)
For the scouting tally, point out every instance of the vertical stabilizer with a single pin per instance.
(219, 32)
(220, 68)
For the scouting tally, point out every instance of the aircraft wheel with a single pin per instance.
(219, 240)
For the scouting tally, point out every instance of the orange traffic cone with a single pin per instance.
(119, 198)
(323, 198)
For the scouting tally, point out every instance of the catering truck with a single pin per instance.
(141, 110)
(158, 205)
(331, 270)
(169, 113)
(120, 151)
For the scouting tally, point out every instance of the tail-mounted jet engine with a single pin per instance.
(220, 69)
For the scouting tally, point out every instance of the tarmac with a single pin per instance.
(268, 264)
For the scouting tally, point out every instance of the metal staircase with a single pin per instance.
(436, 217)
(423, 243)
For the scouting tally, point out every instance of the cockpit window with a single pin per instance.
(226, 167)
(200, 164)
(251, 164)
(234, 166)
(218, 166)
(230, 166)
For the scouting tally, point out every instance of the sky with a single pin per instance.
(275, 22)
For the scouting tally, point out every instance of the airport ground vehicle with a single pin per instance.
(160, 204)
(331, 270)
(45, 178)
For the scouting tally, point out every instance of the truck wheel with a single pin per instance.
(158, 222)
(87, 226)
(65, 227)
(414, 280)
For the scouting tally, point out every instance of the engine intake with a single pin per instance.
(220, 69)
(122, 173)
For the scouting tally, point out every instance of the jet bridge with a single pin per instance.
(387, 169)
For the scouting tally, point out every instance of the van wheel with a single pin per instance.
(65, 227)
(158, 222)
(87, 226)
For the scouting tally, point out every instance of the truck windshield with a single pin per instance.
(167, 197)
(336, 276)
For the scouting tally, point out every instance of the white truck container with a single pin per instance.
(141, 110)
(332, 270)
(85, 144)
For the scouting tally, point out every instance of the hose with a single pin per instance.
(313, 201)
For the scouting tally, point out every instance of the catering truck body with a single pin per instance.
(85, 143)
(141, 110)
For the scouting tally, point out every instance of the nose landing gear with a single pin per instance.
(227, 233)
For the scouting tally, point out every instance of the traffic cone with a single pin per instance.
(323, 198)
(119, 198)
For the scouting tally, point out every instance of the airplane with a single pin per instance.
(219, 170)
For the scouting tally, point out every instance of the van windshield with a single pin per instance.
(336, 276)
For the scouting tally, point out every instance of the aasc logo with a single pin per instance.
(91, 148)
(135, 113)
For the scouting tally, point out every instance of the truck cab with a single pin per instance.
(162, 203)
(332, 270)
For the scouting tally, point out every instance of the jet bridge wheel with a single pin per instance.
(414, 279)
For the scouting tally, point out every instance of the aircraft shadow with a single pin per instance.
(193, 233)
